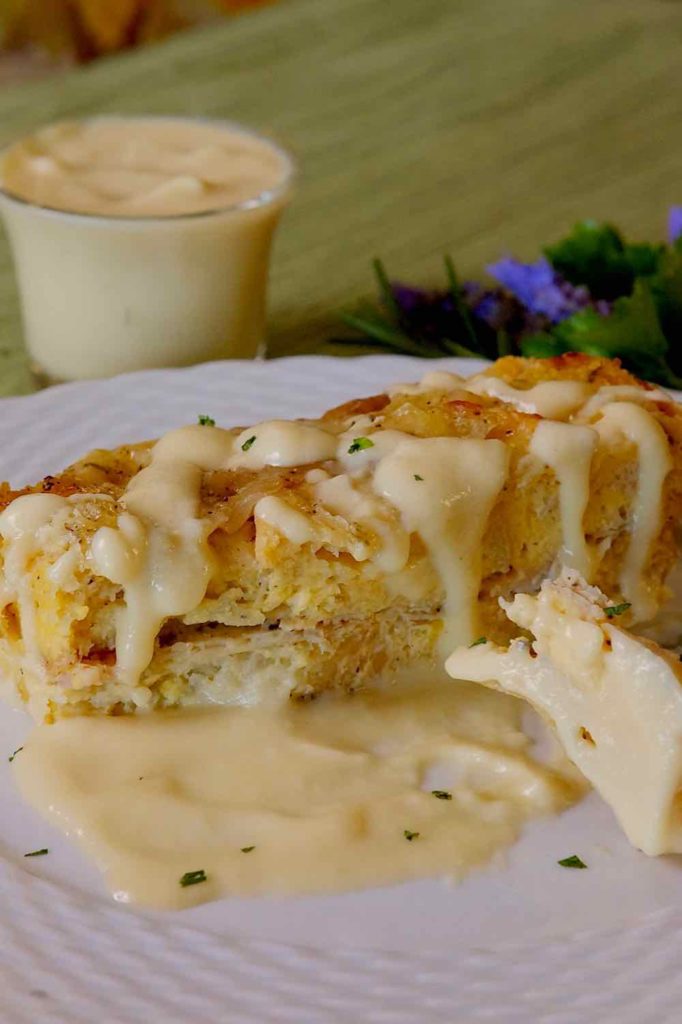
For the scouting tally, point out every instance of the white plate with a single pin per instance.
(522, 941)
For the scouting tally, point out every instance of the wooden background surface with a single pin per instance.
(464, 126)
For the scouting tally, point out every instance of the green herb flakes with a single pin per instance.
(10, 759)
(37, 853)
(418, 477)
(247, 444)
(205, 421)
(617, 609)
(481, 640)
(359, 444)
(193, 878)
(247, 849)
(410, 835)
(573, 861)
(441, 794)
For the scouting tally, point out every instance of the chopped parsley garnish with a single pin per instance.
(205, 421)
(359, 444)
(441, 794)
(573, 861)
(247, 849)
(418, 477)
(410, 835)
(481, 640)
(193, 878)
(10, 759)
(37, 853)
(247, 444)
(617, 609)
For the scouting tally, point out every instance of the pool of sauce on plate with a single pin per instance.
(328, 796)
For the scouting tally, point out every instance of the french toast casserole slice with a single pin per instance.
(220, 566)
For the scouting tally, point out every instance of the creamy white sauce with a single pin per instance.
(655, 462)
(619, 393)
(343, 496)
(140, 167)
(554, 399)
(282, 443)
(324, 792)
(568, 451)
(445, 489)
(159, 552)
(297, 527)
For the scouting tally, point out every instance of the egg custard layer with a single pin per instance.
(247, 566)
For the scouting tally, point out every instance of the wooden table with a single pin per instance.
(421, 128)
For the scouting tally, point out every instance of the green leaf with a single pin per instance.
(666, 288)
(542, 346)
(643, 258)
(381, 333)
(456, 294)
(594, 255)
(632, 331)
(385, 289)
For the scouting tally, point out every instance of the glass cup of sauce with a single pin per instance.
(141, 242)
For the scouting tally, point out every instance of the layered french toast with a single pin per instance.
(280, 560)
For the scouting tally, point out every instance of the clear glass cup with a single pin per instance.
(102, 295)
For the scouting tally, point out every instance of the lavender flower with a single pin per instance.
(674, 223)
(539, 288)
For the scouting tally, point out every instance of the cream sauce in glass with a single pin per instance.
(141, 242)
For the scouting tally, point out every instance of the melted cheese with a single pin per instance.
(323, 792)
(615, 701)
(568, 451)
(655, 462)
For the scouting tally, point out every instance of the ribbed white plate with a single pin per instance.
(524, 941)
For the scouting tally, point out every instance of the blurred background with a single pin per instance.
(420, 128)
(39, 37)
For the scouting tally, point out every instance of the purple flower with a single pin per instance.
(674, 223)
(408, 299)
(539, 288)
